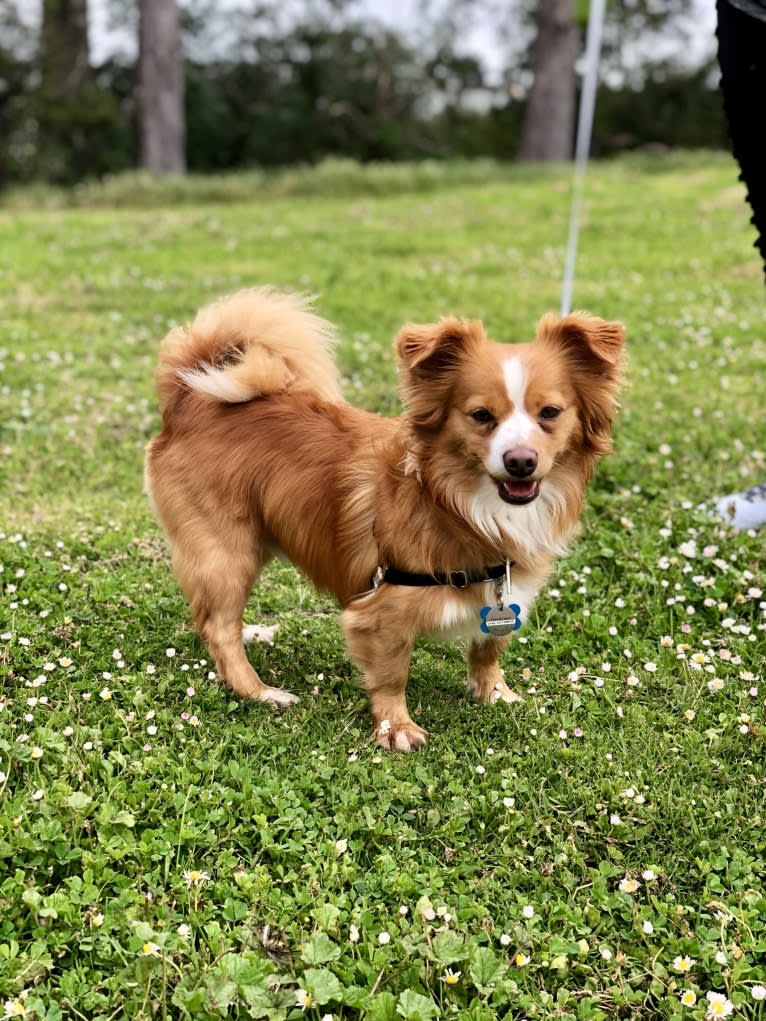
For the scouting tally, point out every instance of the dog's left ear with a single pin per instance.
(594, 348)
(428, 355)
(584, 337)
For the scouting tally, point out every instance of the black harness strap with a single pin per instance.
(455, 579)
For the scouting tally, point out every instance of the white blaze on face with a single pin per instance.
(517, 429)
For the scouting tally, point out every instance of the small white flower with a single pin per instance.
(353, 933)
(15, 1007)
(528, 911)
(683, 964)
(341, 846)
(758, 992)
(509, 802)
(718, 1005)
(505, 939)
(480, 770)
(651, 668)
(628, 885)
(647, 928)
(193, 877)
(384, 938)
(38, 795)
(170, 652)
(37, 752)
(184, 930)
(303, 999)
(720, 957)
(105, 694)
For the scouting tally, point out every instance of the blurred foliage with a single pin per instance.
(266, 90)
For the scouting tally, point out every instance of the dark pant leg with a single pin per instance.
(742, 57)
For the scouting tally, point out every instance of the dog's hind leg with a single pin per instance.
(216, 580)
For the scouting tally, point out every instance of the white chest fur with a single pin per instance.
(460, 612)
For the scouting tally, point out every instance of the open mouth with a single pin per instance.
(518, 491)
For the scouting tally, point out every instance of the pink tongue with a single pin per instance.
(519, 489)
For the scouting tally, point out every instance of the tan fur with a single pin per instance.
(265, 341)
(340, 491)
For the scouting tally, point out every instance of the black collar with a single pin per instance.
(455, 579)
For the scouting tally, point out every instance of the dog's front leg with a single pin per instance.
(381, 648)
(485, 678)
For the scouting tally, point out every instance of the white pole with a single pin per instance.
(582, 148)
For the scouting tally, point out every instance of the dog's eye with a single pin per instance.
(549, 412)
(482, 417)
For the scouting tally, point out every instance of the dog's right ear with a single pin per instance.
(431, 346)
(428, 356)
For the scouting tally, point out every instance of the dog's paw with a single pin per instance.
(277, 697)
(492, 692)
(258, 633)
(404, 736)
(502, 693)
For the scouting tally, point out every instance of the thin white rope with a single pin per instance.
(582, 148)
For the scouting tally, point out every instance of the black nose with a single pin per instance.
(520, 462)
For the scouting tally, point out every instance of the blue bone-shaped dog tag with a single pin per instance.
(498, 621)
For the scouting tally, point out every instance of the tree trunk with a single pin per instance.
(64, 62)
(548, 126)
(63, 97)
(161, 118)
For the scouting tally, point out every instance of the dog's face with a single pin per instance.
(512, 413)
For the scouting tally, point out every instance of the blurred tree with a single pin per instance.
(70, 121)
(548, 126)
(275, 84)
(161, 121)
(64, 63)
(17, 48)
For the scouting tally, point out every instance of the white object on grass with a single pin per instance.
(744, 510)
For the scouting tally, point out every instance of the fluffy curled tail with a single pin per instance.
(253, 343)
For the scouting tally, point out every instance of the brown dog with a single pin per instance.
(414, 524)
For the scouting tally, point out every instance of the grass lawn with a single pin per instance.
(597, 851)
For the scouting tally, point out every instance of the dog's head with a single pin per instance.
(513, 412)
